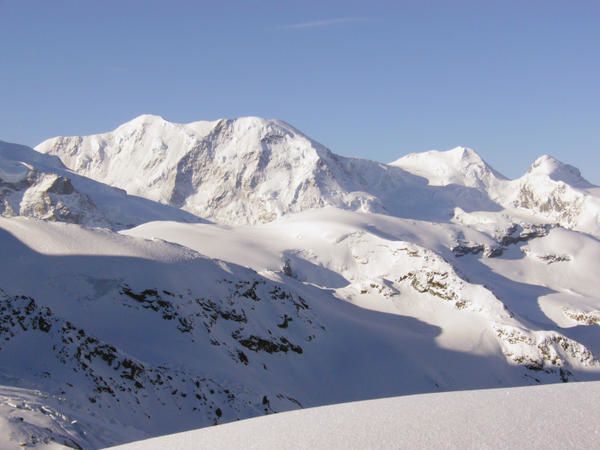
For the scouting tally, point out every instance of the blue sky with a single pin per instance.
(377, 79)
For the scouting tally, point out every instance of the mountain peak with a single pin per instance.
(212, 168)
(546, 164)
(145, 119)
(551, 167)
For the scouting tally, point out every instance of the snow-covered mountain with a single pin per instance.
(557, 191)
(249, 170)
(550, 191)
(252, 170)
(319, 279)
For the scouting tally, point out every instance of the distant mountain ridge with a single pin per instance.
(246, 170)
(252, 170)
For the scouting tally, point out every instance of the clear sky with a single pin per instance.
(375, 79)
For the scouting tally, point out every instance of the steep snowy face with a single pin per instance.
(461, 165)
(247, 170)
(138, 156)
(38, 185)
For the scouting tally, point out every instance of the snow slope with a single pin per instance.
(543, 417)
(27, 421)
(133, 337)
(413, 269)
(37, 185)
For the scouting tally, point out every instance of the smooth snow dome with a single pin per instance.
(544, 417)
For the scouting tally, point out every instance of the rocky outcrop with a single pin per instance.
(48, 196)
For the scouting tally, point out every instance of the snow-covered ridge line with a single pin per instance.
(544, 417)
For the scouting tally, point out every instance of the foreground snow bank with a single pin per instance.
(551, 416)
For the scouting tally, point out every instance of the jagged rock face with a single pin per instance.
(559, 203)
(556, 192)
(539, 350)
(97, 376)
(583, 318)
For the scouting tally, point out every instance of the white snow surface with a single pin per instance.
(115, 329)
(542, 417)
